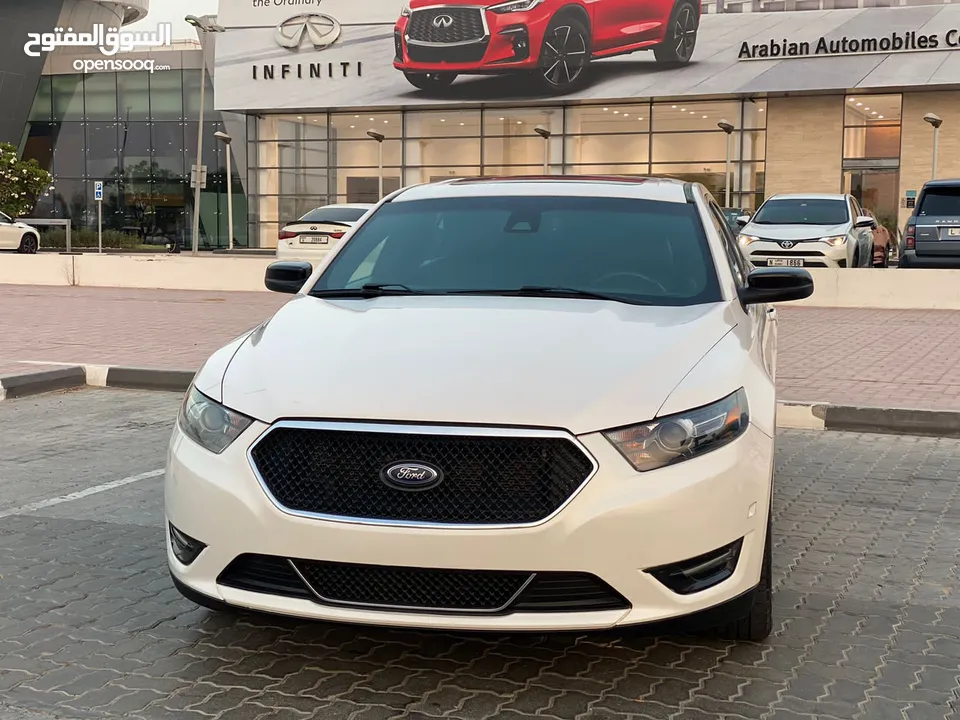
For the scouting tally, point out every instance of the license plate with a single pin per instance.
(953, 232)
(785, 262)
(314, 239)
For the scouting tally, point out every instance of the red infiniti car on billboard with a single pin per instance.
(551, 40)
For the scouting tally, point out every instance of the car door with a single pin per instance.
(9, 233)
(763, 317)
(618, 22)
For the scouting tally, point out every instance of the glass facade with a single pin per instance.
(298, 162)
(137, 132)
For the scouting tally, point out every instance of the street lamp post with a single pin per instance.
(545, 134)
(379, 137)
(728, 129)
(936, 122)
(226, 140)
(203, 25)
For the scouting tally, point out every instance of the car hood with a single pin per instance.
(582, 365)
(415, 4)
(794, 232)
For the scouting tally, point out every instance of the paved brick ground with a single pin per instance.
(867, 604)
(881, 358)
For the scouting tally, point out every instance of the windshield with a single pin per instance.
(940, 201)
(639, 251)
(334, 214)
(801, 211)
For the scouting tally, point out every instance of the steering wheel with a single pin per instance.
(650, 281)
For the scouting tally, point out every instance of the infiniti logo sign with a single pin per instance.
(442, 21)
(321, 30)
(411, 476)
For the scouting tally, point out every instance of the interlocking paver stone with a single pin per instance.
(838, 355)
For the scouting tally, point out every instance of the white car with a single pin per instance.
(814, 230)
(469, 418)
(18, 236)
(311, 237)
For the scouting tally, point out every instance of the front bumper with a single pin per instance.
(909, 259)
(812, 254)
(617, 527)
(512, 42)
(292, 250)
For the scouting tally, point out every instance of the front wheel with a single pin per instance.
(564, 56)
(28, 244)
(430, 81)
(681, 38)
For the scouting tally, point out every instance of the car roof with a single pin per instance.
(358, 206)
(946, 182)
(809, 196)
(642, 188)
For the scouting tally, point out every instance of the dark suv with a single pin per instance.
(931, 238)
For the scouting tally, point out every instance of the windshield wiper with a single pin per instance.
(368, 291)
(552, 291)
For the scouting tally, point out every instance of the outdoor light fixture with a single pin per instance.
(728, 129)
(204, 25)
(935, 122)
(226, 140)
(545, 134)
(379, 137)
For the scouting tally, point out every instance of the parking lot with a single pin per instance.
(867, 532)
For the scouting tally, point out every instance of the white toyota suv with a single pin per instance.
(471, 417)
(814, 230)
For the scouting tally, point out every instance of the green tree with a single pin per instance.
(22, 182)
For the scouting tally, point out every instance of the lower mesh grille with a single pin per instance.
(423, 589)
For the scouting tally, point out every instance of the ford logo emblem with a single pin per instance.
(411, 475)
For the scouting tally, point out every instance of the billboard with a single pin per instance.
(325, 54)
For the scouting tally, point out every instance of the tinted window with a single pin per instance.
(334, 214)
(800, 211)
(940, 201)
(636, 250)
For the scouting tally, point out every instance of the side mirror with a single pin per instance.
(770, 285)
(287, 277)
(743, 220)
(865, 221)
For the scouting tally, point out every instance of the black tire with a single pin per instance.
(430, 81)
(564, 56)
(757, 626)
(28, 244)
(681, 38)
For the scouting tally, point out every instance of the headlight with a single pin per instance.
(405, 12)
(208, 423)
(747, 239)
(514, 6)
(835, 240)
(675, 438)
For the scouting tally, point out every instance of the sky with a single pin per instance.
(173, 11)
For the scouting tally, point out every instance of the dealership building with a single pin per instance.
(822, 96)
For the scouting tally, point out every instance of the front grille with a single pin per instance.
(472, 53)
(789, 253)
(466, 25)
(486, 480)
(409, 589)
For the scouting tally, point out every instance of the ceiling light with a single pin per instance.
(605, 109)
(356, 116)
(853, 99)
(443, 119)
(866, 108)
(352, 127)
(880, 117)
(874, 112)
(626, 114)
(616, 112)
(639, 118)
(299, 117)
(461, 124)
(859, 104)
(501, 118)
(704, 117)
(519, 122)
(762, 109)
(371, 119)
(385, 122)
(674, 107)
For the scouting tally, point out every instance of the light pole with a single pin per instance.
(379, 137)
(203, 25)
(226, 140)
(936, 122)
(545, 134)
(728, 129)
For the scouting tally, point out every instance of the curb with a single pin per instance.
(790, 415)
(66, 378)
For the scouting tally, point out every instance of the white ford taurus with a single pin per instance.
(500, 404)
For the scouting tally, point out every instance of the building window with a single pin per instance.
(871, 127)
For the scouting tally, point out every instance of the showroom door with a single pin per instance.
(876, 190)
